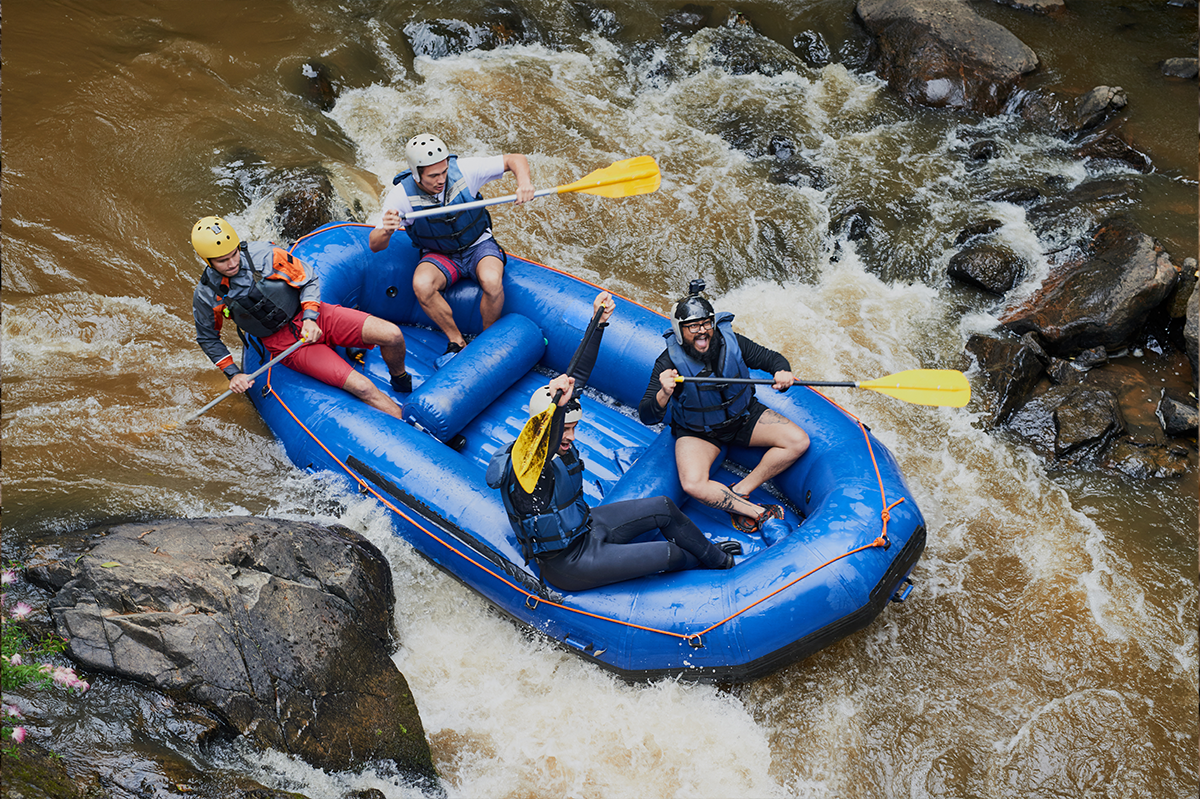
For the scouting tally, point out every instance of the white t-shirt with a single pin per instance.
(477, 170)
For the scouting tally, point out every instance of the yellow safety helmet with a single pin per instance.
(213, 237)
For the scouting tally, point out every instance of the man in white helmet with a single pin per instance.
(274, 296)
(708, 416)
(453, 246)
(577, 547)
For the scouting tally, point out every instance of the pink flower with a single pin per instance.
(9, 576)
(13, 711)
(21, 610)
(18, 734)
(15, 659)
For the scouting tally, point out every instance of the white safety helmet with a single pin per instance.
(424, 149)
(542, 398)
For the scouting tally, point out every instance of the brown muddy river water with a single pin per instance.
(1050, 647)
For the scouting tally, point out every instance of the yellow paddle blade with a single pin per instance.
(622, 179)
(946, 387)
(531, 448)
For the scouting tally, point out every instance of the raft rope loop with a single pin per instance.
(532, 601)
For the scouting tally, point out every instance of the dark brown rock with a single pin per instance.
(1010, 369)
(304, 206)
(940, 53)
(281, 629)
(1066, 114)
(1112, 146)
(1186, 68)
(991, 267)
(1069, 421)
(1191, 329)
(1103, 300)
(1178, 419)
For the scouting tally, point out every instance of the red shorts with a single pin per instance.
(340, 327)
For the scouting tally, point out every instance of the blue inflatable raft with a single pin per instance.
(857, 532)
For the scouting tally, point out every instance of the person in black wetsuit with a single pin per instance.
(708, 416)
(577, 547)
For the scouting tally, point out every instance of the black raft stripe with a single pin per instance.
(512, 570)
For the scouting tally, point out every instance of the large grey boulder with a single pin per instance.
(282, 629)
(941, 53)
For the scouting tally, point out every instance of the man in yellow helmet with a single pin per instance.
(273, 296)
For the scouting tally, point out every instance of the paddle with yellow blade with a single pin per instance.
(533, 445)
(626, 178)
(945, 387)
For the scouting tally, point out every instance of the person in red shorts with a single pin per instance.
(274, 296)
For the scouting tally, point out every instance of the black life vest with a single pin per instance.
(551, 532)
(705, 406)
(267, 305)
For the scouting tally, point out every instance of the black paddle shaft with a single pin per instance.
(765, 381)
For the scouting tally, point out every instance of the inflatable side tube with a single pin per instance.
(472, 380)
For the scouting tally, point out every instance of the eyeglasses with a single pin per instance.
(703, 326)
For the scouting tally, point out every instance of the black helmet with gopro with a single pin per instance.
(691, 308)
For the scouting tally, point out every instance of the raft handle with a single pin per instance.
(695, 642)
(903, 590)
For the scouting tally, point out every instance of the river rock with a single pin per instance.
(940, 53)
(1065, 114)
(1070, 421)
(1142, 460)
(687, 20)
(812, 49)
(1191, 328)
(1109, 145)
(991, 267)
(1010, 369)
(283, 630)
(1102, 299)
(1178, 418)
(738, 49)
(304, 205)
(318, 81)
(1046, 7)
(1186, 68)
(977, 229)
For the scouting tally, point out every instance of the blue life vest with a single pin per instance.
(705, 406)
(551, 532)
(447, 233)
(263, 307)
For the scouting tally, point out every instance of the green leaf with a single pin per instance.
(110, 564)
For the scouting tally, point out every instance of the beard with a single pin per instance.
(708, 358)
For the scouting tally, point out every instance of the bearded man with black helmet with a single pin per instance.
(274, 296)
(453, 246)
(708, 416)
(577, 547)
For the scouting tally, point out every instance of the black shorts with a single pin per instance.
(736, 432)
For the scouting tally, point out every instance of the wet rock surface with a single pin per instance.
(281, 630)
(940, 53)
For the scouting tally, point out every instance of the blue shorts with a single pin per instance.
(456, 266)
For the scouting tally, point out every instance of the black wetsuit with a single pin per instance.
(602, 552)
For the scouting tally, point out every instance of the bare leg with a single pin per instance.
(787, 443)
(390, 340)
(428, 283)
(695, 457)
(361, 387)
(490, 276)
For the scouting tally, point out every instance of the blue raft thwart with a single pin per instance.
(856, 530)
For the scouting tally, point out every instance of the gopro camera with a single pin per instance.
(696, 287)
